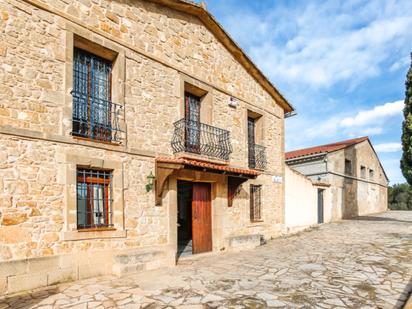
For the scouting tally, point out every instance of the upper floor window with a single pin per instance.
(193, 128)
(371, 174)
(363, 172)
(256, 153)
(95, 116)
(94, 198)
(255, 203)
(194, 132)
(348, 167)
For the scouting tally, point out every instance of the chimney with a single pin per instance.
(203, 5)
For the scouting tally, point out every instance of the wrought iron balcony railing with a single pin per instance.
(257, 157)
(199, 138)
(96, 118)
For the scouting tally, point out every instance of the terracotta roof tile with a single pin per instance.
(324, 148)
(208, 165)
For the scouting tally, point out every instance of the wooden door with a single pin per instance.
(201, 218)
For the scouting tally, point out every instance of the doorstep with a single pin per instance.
(197, 256)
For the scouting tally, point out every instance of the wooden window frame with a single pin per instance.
(256, 203)
(89, 181)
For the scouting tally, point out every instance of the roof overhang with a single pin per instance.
(214, 27)
(311, 157)
(166, 166)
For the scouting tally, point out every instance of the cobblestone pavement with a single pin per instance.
(363, 263)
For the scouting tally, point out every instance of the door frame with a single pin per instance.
(211, 184)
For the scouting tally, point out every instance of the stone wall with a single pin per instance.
(354, 195)
(157, 50)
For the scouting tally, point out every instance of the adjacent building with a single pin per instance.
(131, 133)
(347, 177)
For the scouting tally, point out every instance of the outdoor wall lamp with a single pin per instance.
(150, 182)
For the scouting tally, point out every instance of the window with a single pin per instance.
(94, 115)
(348, 167)
(363, 172)
(255, 203)
(256, 153)
(193, 128)
(371, 174)
(94, 198)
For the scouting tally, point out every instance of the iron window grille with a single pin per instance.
(255, 203)
(94, 198)
(257, 157)
(95, 116)
(199, 138)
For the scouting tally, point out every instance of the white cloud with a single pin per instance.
(388, 147)
(323, 43)
(375, 115)
(393, 171)
(370, 122)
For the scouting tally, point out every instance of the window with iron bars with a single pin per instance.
(94, 198)
(95, 116)
(255, 203)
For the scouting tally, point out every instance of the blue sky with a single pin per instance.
(342, 64)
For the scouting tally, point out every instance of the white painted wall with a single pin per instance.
(300, 200)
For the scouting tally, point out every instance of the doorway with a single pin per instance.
(194, 234)
(320, 205)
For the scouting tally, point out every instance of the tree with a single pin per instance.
(400, 197)
(406, 161)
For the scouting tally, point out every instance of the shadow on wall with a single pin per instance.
(350, 206)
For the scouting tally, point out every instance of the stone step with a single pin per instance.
(122, 270)
(131, 262)
(136, 257)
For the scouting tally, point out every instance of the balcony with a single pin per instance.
(96, 118)
(201, 139)
(257, 157)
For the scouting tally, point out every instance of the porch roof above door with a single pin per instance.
(165, 166)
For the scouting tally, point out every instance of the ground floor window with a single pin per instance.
(94, 198)
(255, 203)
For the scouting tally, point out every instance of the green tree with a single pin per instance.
(400, 197)
(406, 161)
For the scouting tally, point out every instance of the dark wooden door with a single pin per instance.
(192, 116)
(320, 206)
(201, 218)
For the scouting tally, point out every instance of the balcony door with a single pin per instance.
(251, 125)
(192, 116)
(91, 96)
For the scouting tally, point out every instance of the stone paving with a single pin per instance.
(362, 263)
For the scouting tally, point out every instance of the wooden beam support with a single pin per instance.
(163, 171)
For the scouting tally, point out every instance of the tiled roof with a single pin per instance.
(324, 148)
(208, 165)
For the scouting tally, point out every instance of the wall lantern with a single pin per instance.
(150, 182)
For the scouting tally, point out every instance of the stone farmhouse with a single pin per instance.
(132, 133)
(339, 180)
